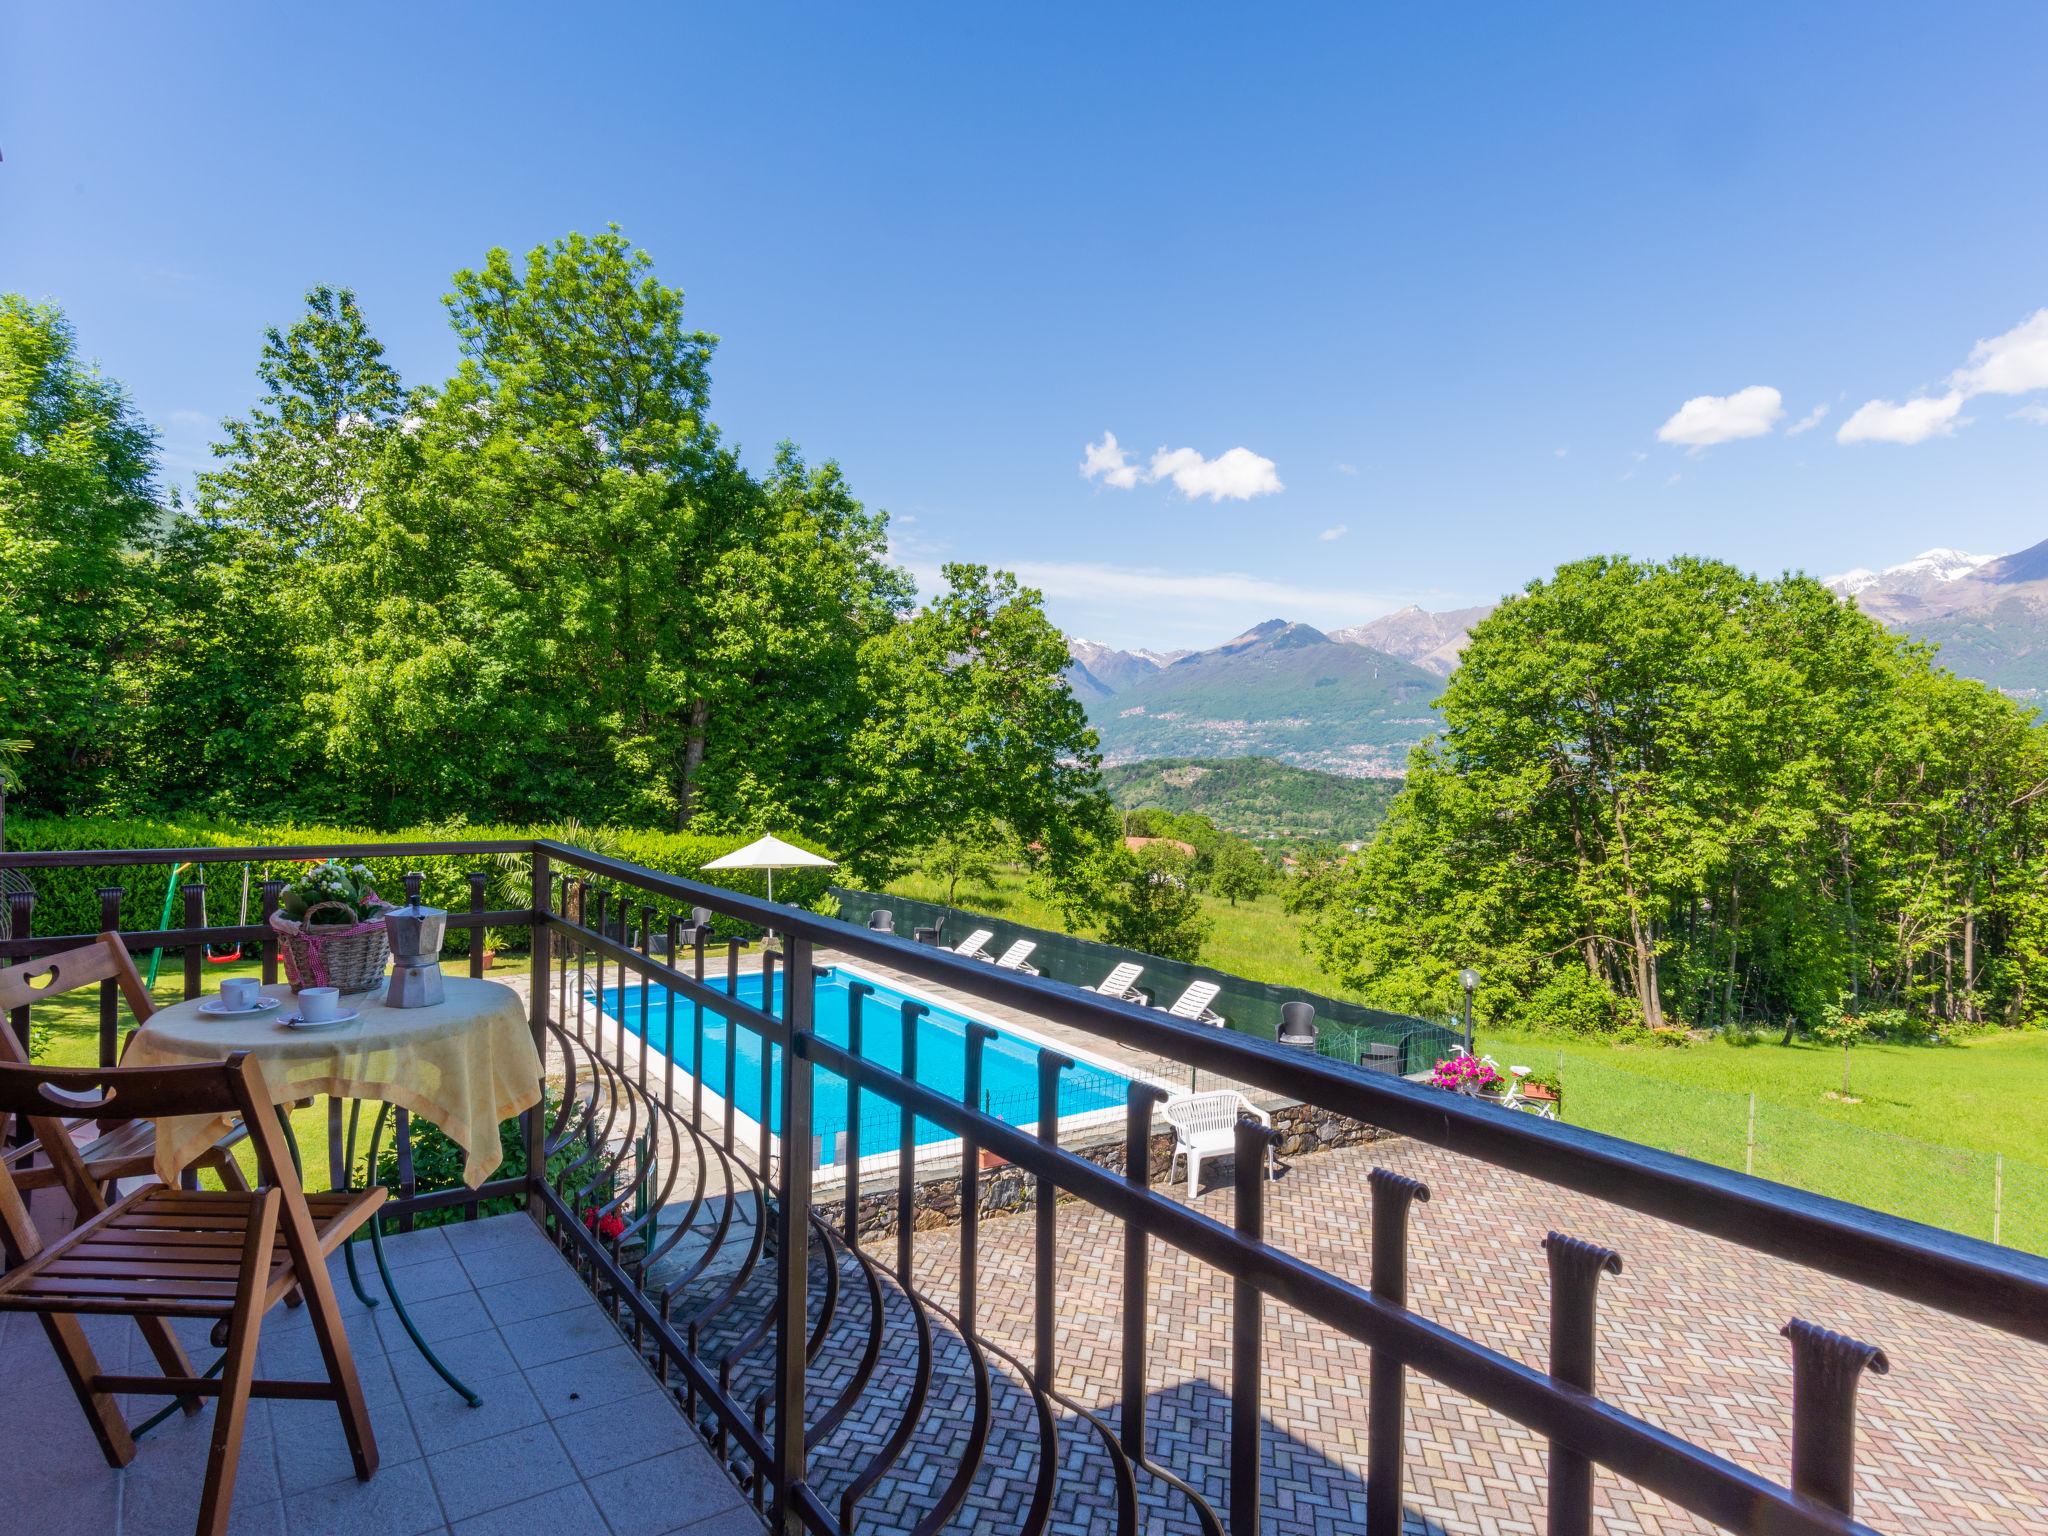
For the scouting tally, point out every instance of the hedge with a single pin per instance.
(67, 900)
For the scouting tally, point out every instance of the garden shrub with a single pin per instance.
(67, 900)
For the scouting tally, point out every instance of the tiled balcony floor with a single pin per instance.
(574, 1438)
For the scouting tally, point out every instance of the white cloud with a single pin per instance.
(1337, 532)
(1707, 420)
(2034, 413)
(1562, 453)
(1882, 421)
(1110, 463)
(1345, 469)
(1809, 421)
(2013, 364)
(1235, 475)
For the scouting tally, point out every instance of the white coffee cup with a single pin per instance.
(239, 992)
(317, 1003)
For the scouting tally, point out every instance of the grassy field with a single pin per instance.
(1258, 940)
(67, 1034)
(1919, 1134)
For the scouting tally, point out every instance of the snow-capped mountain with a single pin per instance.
(1924, 571)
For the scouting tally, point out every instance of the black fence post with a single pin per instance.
(1139, 1100)
(1386, 1381)
(195, 951)
(792, 1234)
(110, 994)
(535, 1127)
(477, 881)
(1826, 1369)
(1575, 1271)
(1247, 1317)
(273, 893)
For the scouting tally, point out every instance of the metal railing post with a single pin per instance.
(195, 952)
(1826, 1368)
(1575, 1271)
(1247, 1319)
(793, 1236)
(1386, 1382)
(541, 895)
(1139, 1100)
(110, 995)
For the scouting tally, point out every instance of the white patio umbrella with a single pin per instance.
(770, 853)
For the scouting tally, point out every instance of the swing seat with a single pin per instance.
(229, 958)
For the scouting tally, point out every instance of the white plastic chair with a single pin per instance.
(1015, 957)
(1121, 983)
(1194, 1004)
(1205, 1125)
(972, 945)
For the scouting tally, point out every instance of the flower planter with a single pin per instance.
(989, 1161)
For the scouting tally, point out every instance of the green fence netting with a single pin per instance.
(1347, 1032)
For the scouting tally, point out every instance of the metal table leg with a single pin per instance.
(384, 1273)
(348, 1165)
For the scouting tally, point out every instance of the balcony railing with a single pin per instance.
(739, 1265)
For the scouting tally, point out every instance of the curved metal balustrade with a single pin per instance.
(843, 1391)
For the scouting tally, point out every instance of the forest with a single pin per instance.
(1676, 794)
(544, 587)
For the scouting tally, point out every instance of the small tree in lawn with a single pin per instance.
(1838, 1027)
(1144, 900)
(966, 855)
(1237, 871)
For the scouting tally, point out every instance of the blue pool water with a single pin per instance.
(1009, 1072)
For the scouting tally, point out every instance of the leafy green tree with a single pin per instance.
(1143, 900)
(78, 511)
(1238, 871)
(969, 720)
(241, 627)
(969, 855)
(1674, 792)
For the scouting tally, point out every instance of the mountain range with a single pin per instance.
(1278, 690)
(1354, 700)
(1988, 614)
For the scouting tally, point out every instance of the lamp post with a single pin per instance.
(1469, 980)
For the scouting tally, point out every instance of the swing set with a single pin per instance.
(216, 954)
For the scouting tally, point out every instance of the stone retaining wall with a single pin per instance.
(1301, 1129)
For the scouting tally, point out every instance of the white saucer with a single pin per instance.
(261, 1005)
(295, 1022)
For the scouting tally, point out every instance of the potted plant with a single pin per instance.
(1543, 1088)
(330, 925)
(1468, 1075)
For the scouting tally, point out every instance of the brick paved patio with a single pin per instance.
(1951, 1442)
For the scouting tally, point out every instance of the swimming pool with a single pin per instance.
(1009, 1072)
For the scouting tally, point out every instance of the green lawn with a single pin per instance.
(67, 1034)
(1918, 1135)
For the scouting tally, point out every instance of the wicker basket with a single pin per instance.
(350, 959)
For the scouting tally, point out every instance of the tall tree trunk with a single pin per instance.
(1734, 947)
(693, 760)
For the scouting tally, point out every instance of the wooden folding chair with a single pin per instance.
(120, 1152)
(161, 1253)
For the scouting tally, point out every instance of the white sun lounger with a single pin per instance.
(1121, 983)
(1015, 958)
(1194, 1004)
(972, 945)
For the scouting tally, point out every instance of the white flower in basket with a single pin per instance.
(330, 925)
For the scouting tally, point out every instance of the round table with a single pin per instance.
(466, 1063)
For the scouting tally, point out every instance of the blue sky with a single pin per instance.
(1442, 275)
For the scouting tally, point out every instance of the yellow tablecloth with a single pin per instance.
(466, 1064)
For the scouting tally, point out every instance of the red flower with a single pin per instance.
(611, 1227)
